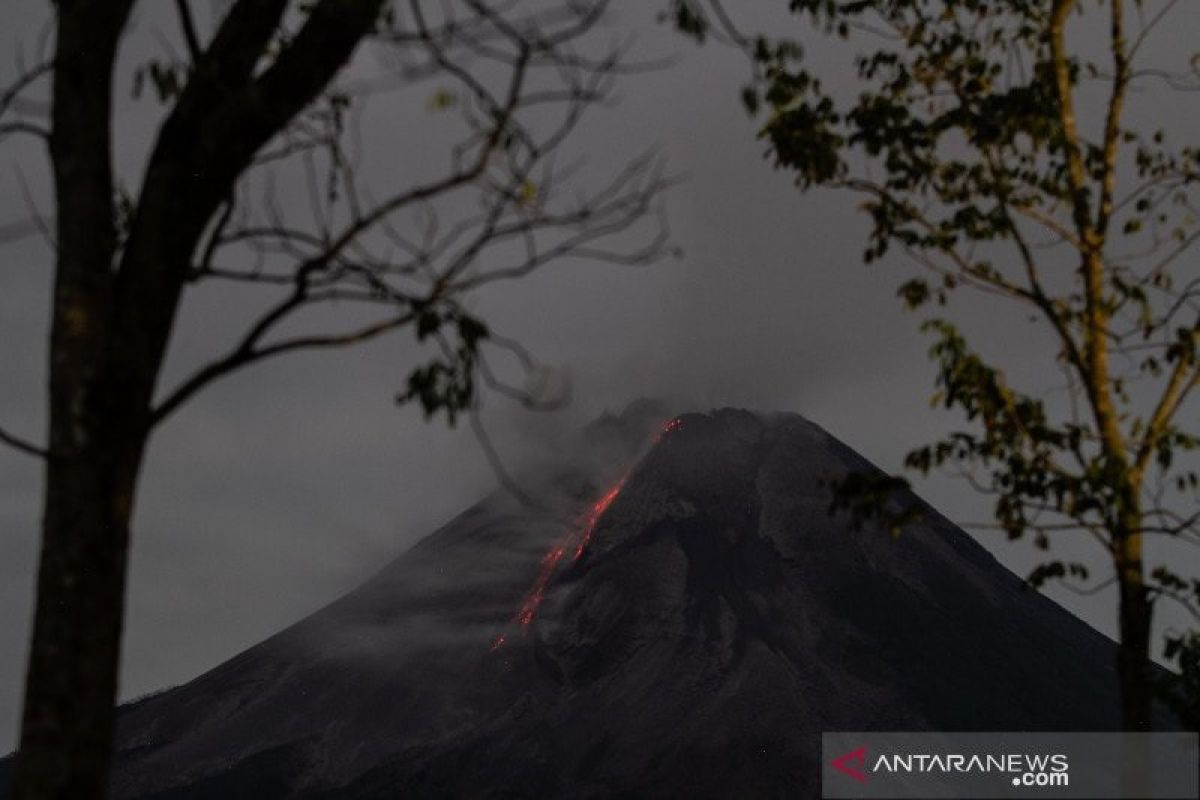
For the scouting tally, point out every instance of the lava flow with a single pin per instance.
(592, 519)
(581, 535)
(670, 426)
(538, 593)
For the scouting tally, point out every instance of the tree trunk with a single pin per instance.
(68, 720)
(114, 309)
(1135, 612)
(95, 443)
(1133, 657)
(1133, 661)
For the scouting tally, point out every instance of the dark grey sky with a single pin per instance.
(283, 487)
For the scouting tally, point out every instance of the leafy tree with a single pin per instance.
(262, 97)
(991, 144)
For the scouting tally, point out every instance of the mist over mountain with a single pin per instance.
(677, 615)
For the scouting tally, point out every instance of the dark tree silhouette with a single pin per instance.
(997, 153)
(267, 93)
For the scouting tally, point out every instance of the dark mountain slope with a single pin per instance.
(684, 627)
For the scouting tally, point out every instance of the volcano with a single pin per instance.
(681, 617)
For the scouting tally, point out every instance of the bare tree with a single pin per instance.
(265, 100)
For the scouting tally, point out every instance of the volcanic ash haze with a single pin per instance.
(681, 621)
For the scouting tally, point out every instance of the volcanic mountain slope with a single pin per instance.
(682, 623)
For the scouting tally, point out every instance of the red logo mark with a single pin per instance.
(853, 764)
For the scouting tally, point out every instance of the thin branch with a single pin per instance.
(1089, 590)
(1183, 601)
(188, 25)
(21, 127)
(244, 356)
(23, 446)
(8, 97)
(497, 463)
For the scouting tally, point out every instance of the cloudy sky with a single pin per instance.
(288, 484)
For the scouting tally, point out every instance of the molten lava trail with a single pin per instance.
(580, 536)
(538, 593)
(577, 538)
(592, 518)
(669, 427)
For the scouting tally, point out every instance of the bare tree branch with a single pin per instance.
(188, 25)
(22, 446)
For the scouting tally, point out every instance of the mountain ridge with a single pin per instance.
(680, 616)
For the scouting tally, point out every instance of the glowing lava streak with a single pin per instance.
(592, 518)
(670, 426)
(538, 593)
(581, 534)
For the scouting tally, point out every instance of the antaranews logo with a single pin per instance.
(1060, 765)
(852, 764)
(1024, 769)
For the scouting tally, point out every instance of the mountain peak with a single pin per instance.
(685, 621)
